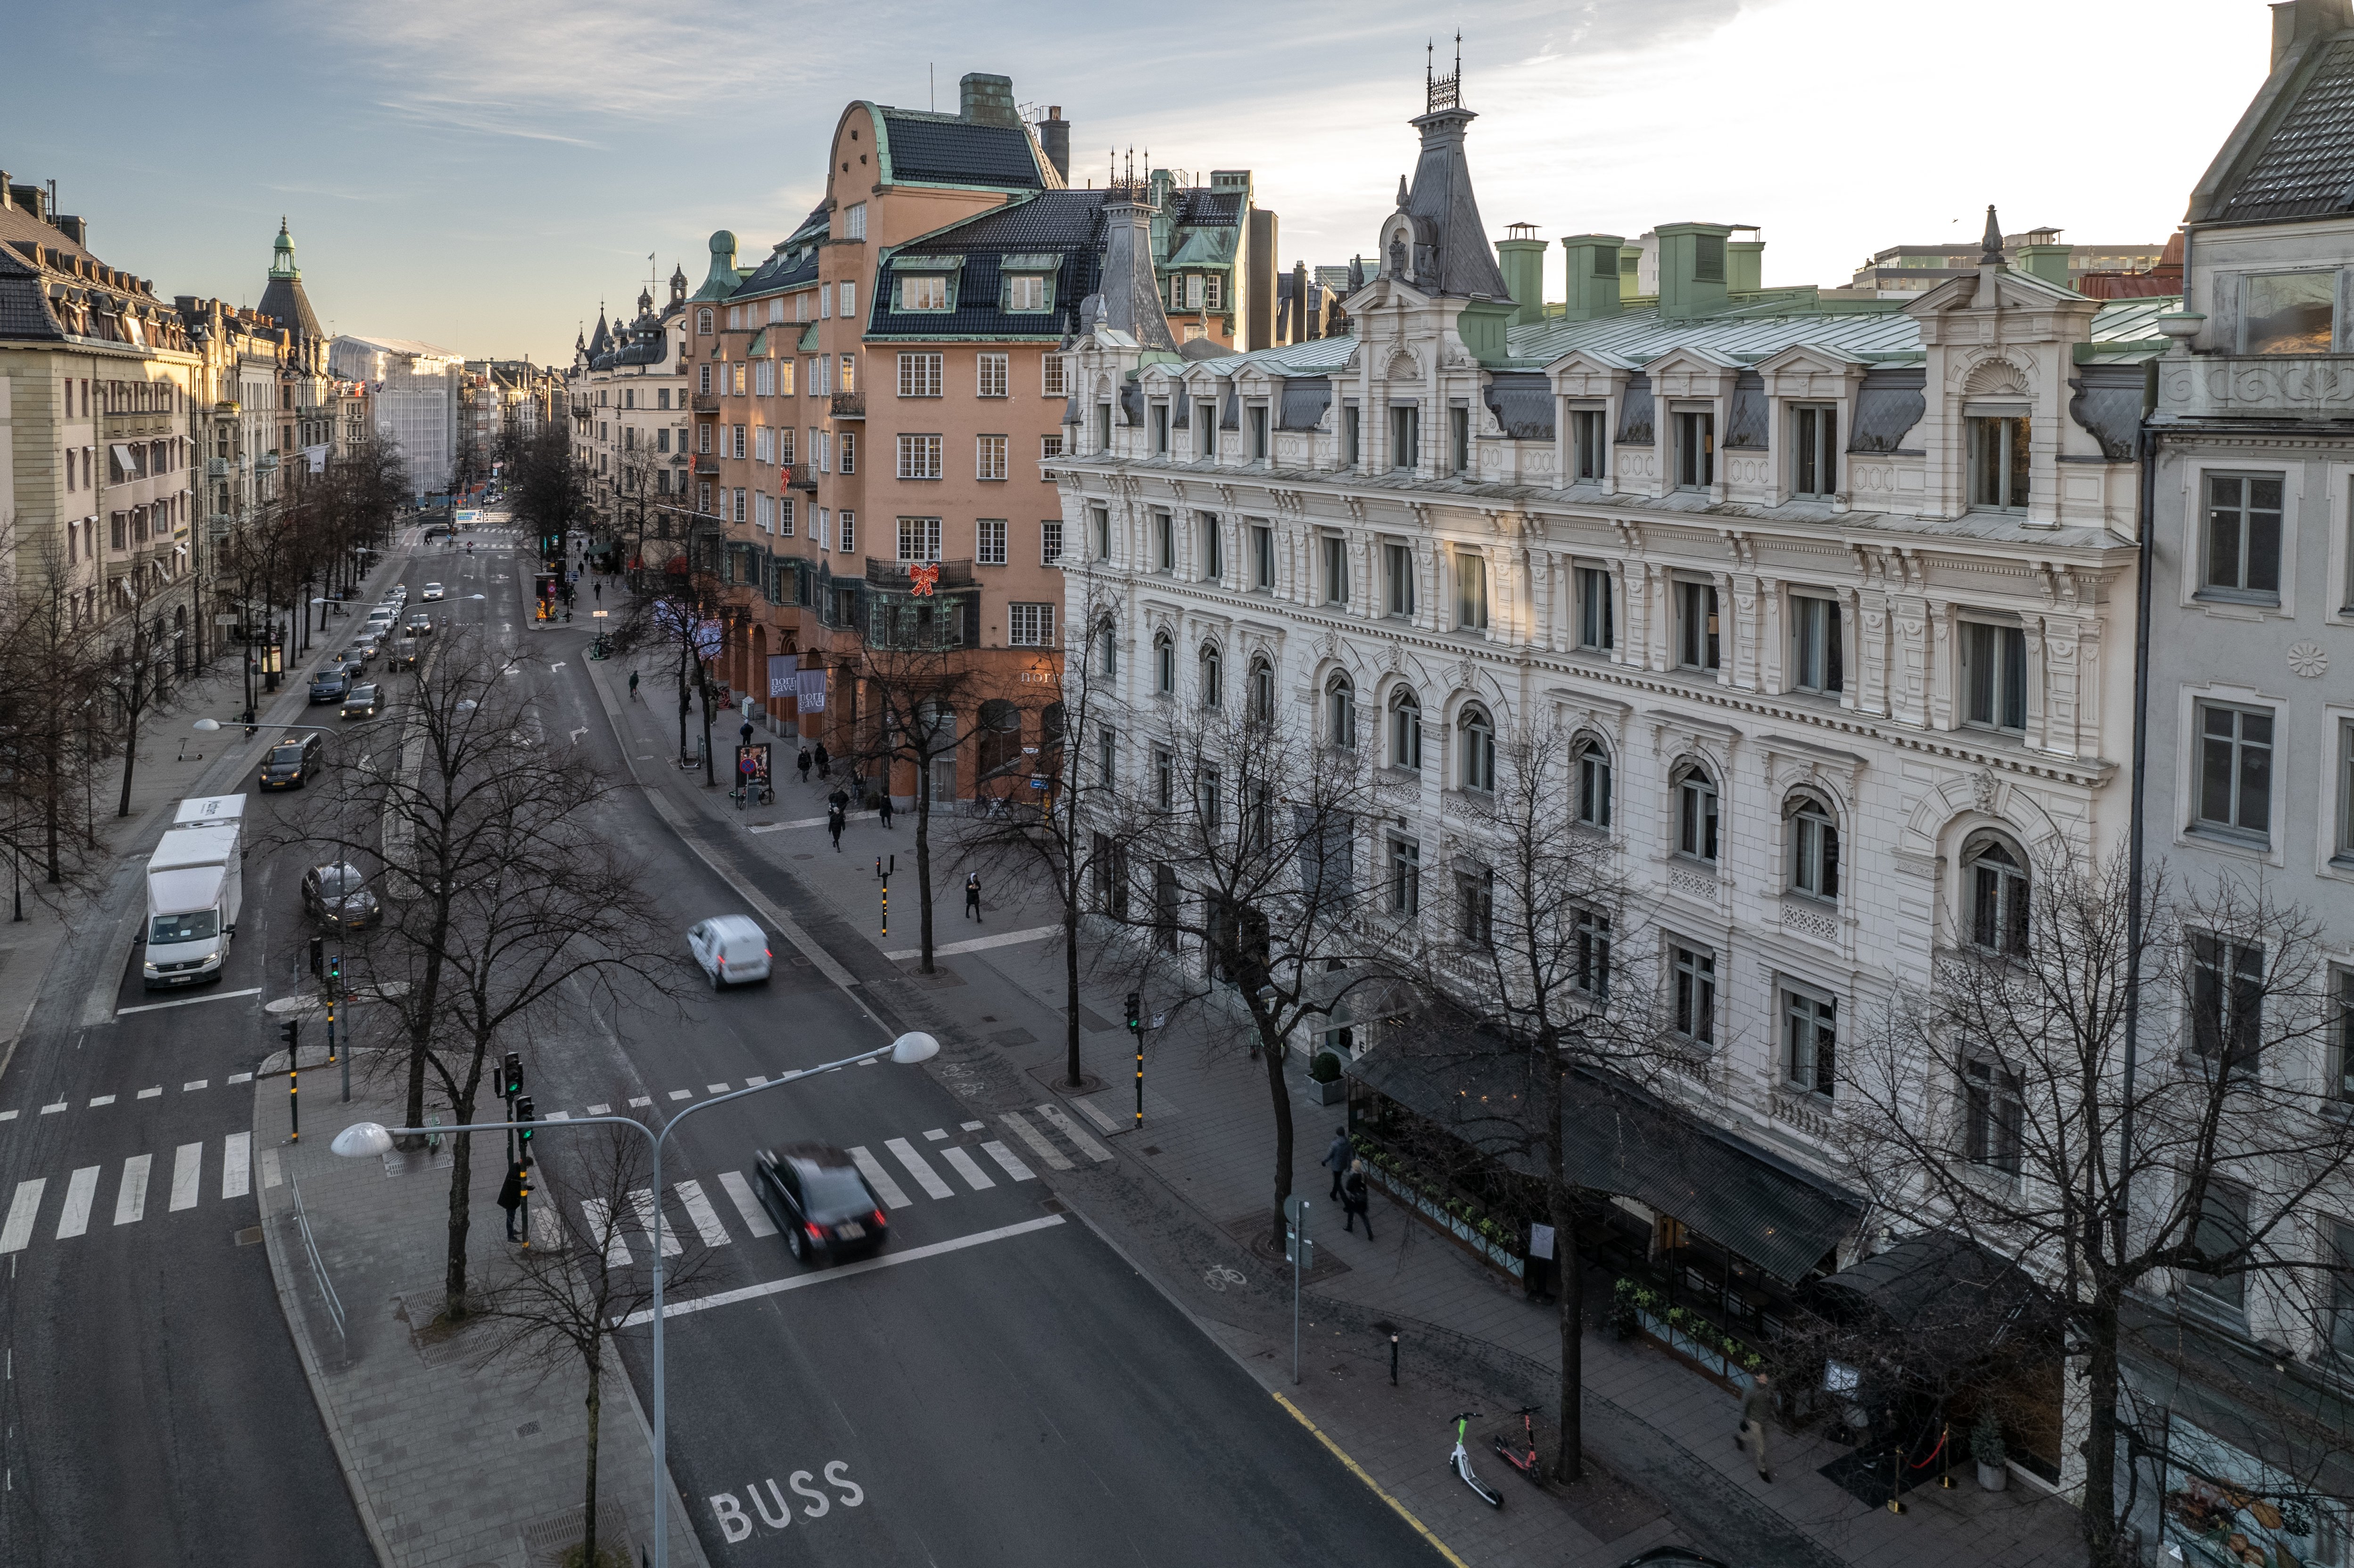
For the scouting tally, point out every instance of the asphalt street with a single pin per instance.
(1000, 1388)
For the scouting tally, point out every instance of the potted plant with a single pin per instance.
(1324, 1072)
(1626, 1296)
(1987, 1449)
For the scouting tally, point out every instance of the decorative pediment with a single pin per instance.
(1576, 711)
(1790, 763)
(1997, 378)
(1687, 372)
(1809, 370)
(1582, 373)
(2037, 303)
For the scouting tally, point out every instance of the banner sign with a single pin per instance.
(811, 690)
(781, 671)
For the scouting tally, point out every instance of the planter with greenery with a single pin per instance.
(1986, 1447)
(1324, 1072)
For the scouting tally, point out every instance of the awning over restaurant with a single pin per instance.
(1624, 1141)
(1939, 1279)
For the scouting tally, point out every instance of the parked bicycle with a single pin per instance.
(1459, 1462)
(1523, 1455)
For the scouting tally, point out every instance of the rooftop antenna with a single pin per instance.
(932, 85)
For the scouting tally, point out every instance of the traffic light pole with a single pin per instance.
(1135, 1028)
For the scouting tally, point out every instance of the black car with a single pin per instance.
(402, 656)
(339, 896)
(818, 1197)
(292, 761)
(331, 684)
(363, 701)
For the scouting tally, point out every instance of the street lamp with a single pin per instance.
(370, 1140)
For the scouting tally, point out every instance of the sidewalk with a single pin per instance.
(1196, 1177)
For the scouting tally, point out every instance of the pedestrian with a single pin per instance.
(802, 762)
(884, 807)
(839, 803)
(744, 735)
(633, 685)
(972, 895)
(824, 763)
(1756, 1405)
(1354, 1203)
(597, 589)
(1337, 1157)
(833, 823)
(511, 1192)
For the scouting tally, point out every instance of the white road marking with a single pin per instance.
(936, 1135)
(982, 944)
(879, 1179)
(237, 1165)
(188, 1164)
(926, 1177)
(739, 1192)
(1097, 1115)
(600, 1110)
(80, 1189)
(151, 1094)
(270, 1176)
(972, 1125)
(546, 1228)
(557, 1116)
(7, 1116)
(714, 1088)
(21, 1210)
(195, 1084)
(101, 1100)
(52, 1110)
(755, 1082)
(643, 1201)
(601, 1223)
(1053, 1116)
(640, 1100)
(863, 1265)
(238, 1079)
(1035, 1140)
(698, 1209)
(682, 1094)
(131, 1198)
(187, 1001)
(1005, 1159)
(969, 1168)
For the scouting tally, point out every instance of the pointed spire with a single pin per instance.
(1404, 194)
(1990, 244)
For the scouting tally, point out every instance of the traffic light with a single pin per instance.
(512, 1076)
(335, 969)
(291, 1031)
(1135, 1012)
(526, 1115)
(318, 955)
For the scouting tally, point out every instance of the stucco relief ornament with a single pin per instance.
(2307, 659)
(1982, 791)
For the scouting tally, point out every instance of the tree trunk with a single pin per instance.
(1071, 980)
(1569, 1269)
(1279, 1092)
(596, 1407)
(462, 1167)
(924, 863)
(702, 681)
(2102, 1379)
(130, 732)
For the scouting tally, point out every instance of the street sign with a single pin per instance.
(1298, 1249)
(1293, 1207)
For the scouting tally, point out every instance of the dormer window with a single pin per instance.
(1585, 448)
(1814, 450)
(1026, 293)
(1695, 432)
(1998, 463)
(928, 292)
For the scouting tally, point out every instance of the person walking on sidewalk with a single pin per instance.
(883, 808)
(1337, 1155)
(1756, 1407)
(972, 895)
(598, 591)
(835, 821)
(839, 803)
(511, 1192)
(824, 763)
(1355, 1204)
(744, 735)
(633, 685)
(802, 762)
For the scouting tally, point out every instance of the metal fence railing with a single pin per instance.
(318, 1266)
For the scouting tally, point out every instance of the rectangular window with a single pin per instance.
(1405, 877)
(1213, 546)
(1103, 427)
(1470, 592)
(1336, 569)
(1694, 993)
(919, 538)
(1213, 295)
(988, 457)
(1405, 436)
(1164, 541)
(1050, 542)
(1160, 429)
(764, 378)
(1054, 377)
(1695, 448)
(1815, 450)
(1591, 933)
(2343, 844)
(815, 379)
(1205, 430)
(1107, 776)
(785, 516)
(1100, 517)
(1809, 1043)
(821, 448)
(1815, 650)
(1696, 815)
(702, 377)
(1475, 908)
(824, 303)
(993, 374)
(739, 504)
(849, 453)
(800, 306)
(1586, 449)
(1051, 444)
(1259, 449)
(989, 542)
(2222, 1231)
(2227, 999)
(1597, 631)
(1026, 293)
(784, 444)
(737, 443)
(760, 443)
(846, 526)
(1398, 566)
(2243, 556)
(920, 457)
(1994, 677)
(853, 227)
(1458, 441)
(849, 298)
(1697, 642)
(703, 438)
(919, 376)
(2341, 1322)
(1998, 452)
(1164, 779)
(2236, 771)
(1594, 785)
(1030, 625)
(784, 378)
(1992, 1117)
(2288, 312)
(738, 372)
(849, 362)
(1263, 560)
(1350, 439)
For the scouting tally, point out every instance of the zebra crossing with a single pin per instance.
(31, 1217)
(980, 1165)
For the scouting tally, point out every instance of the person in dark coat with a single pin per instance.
(1356, 1204)
(511, 1192)
(839, 803)
(1337, 1156)
(834, 822)
(802, 762)
(972, 895)
(824, 762)
(884, 808)
(744, 735)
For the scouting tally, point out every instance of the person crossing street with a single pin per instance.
(972, 895)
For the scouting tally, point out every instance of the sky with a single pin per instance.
(481, 174)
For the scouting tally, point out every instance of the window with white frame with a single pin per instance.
(824, 303)
(785, 516)
(2341, 1340)
(1998, 452)
(1996, 883)
(1475, 908)
(2342, 778)
(1590, 953)
(848, 366)
(1405, 729)
(801, 306)
(815, 379)
(1993, 1115)
(1050, 445)
(1054, 376)
(1696, 802)
(2233, 798)
(1586, 436)
(1994, 677)
(1809, 1042)
(1099, 519)
(702, 377)
(1814, 848)
(2227, 986)
(1814, 450)
(1050, 542)
(853, 221)
(1397, 573)
(1470, 592)
(919, 376)
(849, 292)
(1695, 451)
(2221, 1233)
(1262, 690)
(764, 378)
(1107, 647)
(1164, 541)
(1476, 734)
(1030, 625)
(848, 455)
(784, 377)
(1210, 555)
(1405, 877)
(1697, 642)
(1262, 543)
(988, 457)
(2287, 312)
(1691, 983)
(920, 457)
(989, 542)
(1598, 629)
(2241, 561)
(919, 538)
(992, 374)
(1164, 784)
(1341, 713)
(821, 448)
(1210, 682)
(1164, 665)
(1336, 569)
(1816, 656)
(846, 528)
(1025, 292)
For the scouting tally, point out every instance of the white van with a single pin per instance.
(195, 888)
(732, 949)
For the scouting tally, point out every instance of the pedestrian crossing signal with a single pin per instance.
(1135, 1011)
(526, 1115)
(335, 969)
(511, 1069)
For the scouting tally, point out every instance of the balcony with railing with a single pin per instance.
(216, 468)
(2255, 386)
(850, 405)
(895, 577)
(800, 476)
(706, 465)
(706, 402)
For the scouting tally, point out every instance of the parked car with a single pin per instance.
(421, 624)
(330, 684)
(364, 701)
(732, 949)
(432, 591)
(292, 762)
(821, 1201)
(339, 896)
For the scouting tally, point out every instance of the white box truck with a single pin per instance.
(196, 885)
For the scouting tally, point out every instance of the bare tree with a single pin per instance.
(2146, 1191)
(133, 677)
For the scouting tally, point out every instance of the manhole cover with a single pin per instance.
(249, 1236)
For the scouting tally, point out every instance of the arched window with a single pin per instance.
(1814, 847)
(1106, 649)
(1164, 665)
(1213, 676)
(1405, 730)
(1341, 713)
(1479, 767)
(1995, 877)
(1262, 690)
(1000, 742)
(1695, 813)
(1590, 777)
(703, 322)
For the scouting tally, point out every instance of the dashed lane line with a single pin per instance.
(186, 1001)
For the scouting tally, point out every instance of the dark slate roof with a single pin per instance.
(2305, 164)
(942, 149)
(24, 309)
(785, 267)
(1205, 205)
(1066, 222)
(602, 340)
(1442, 197)
(285, 302)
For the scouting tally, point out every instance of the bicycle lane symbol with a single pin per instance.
(1219, 1277)
(774, 1510)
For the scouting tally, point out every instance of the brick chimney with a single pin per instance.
(1054, 139)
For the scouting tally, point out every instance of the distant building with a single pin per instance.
(417, 390)
(1905, 269)
(625, 397)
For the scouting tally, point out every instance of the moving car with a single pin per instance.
(358, 655)
(402, 656)
(818, 1197)
(364, 701)
(421, 624)
(330, 684)
(339, 896)
(732, 949)
(432, 591)
(293, 761)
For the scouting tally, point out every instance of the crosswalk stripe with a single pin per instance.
(81, 1187)
(130, 1199)
(546, 1228)
(643, 1201)
(739, 1192)
(1053, 1116)
(1038, 1143)
(1007, 1163)
(880, 1179)
(18, 1230)
(919, 1168)
(601, 1223)
(188, 1164)
(698, 1209)
(237, 1165)
(967, 1167)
